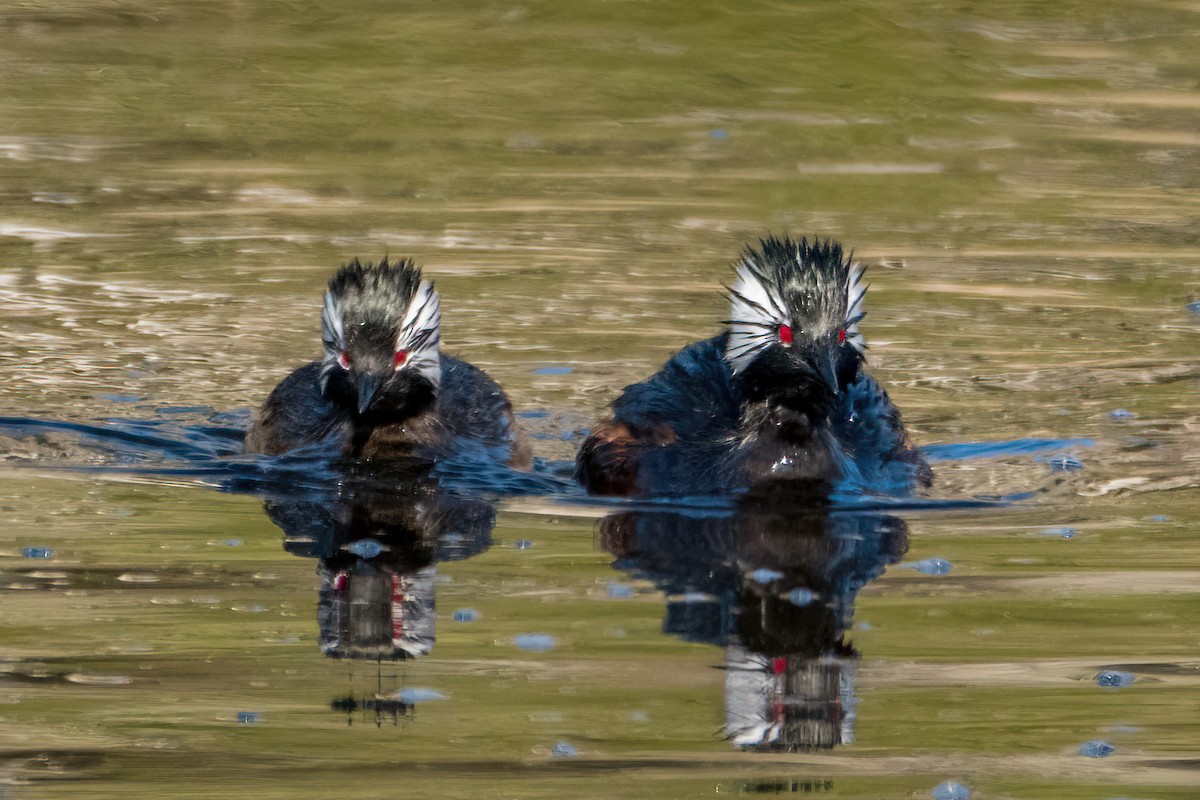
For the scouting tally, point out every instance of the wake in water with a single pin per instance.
(209, 454)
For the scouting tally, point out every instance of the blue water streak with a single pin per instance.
(1013, 447)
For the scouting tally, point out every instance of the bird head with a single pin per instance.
(793, 327)
(379, 327)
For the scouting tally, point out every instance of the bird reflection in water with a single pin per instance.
(377, 540)
(775, 586)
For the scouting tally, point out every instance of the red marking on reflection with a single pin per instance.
(785, 334)
(401, 357)
(344, 359)
(779, 665)
(841, 336)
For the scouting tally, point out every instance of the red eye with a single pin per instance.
(344, 359)
(841, 335)
(785, 334)
(401, 357)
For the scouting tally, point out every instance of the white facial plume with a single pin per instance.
(757, 316)
(781, 296)
(856, 293)
(417, 344)
(380, 319)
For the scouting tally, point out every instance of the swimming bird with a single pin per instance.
(383, 389)
(779, 395)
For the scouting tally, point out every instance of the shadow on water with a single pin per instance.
(774, 586)
(377, 532)
(377, 552)
(770, 576)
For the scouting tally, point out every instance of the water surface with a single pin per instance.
(176, 184)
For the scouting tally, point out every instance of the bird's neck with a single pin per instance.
(389, 408)
(420, 435)
(778, 442)
(780, 423)
(793, 404)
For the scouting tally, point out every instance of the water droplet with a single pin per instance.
(137, 577)
(1194, 307)
(719, 133)
(466, 615)
(55, 198)
(1061, 533)
(764, 575)
(523, 544)
(37, 552)
(619, 590)
(564, 750)
(536, 642)
(1064, 463)
(801, 596)
(1096, 748)
(639, 716)
(951, 790)
(90, 679)
(249, 717)
(554, 371)
(228, 543)
(365, 548)
(1121, 414)
(932, 566)
(1114, 679)
(1158, 518)
(415, 694)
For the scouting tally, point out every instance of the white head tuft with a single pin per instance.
(789, 291)
(856, 293)
(420, 333)
(756, 314)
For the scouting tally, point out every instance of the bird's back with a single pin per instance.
(689, 430)
(868, 428)
(477, 416)
(694, 393)
(671, 433)
(472, 416)
(297, 414)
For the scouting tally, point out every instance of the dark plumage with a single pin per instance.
(383, 389)
(779, 395)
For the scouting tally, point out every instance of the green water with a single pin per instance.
(176, 184)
